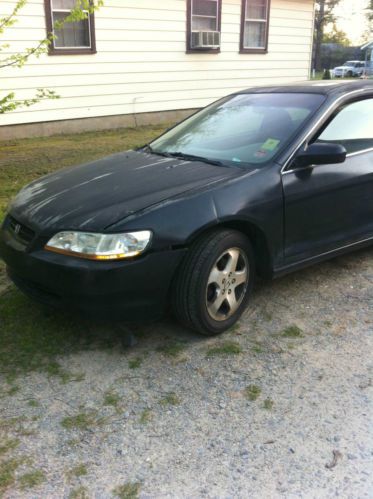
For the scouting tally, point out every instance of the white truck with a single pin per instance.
(349, 68)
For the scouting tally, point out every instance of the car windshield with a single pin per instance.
(349, 63)
(240, 130)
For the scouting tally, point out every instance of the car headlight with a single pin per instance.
(100, 246)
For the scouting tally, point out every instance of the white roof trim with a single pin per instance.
(367, 45)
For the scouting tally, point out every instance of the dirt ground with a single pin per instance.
(280, 406)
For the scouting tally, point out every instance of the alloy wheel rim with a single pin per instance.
(227, 284)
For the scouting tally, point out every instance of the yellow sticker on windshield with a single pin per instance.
(270, 144)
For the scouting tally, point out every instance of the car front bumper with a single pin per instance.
(134, 289)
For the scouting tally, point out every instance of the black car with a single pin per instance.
(264, 181)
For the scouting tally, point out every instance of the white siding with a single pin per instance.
(141, 64)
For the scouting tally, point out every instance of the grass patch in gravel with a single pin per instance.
(252, 392)
(79, 493)
(33, 403)
(146, 416)
(8, 445)
(12, 390)
(81, 421)
(8, 469)
(257, 349)
(170, 399)
(112, 399)
(292, 332)
(78, 471)
(268, 404)
(16, 425)
(31, 479)
(135, 363)
(130, 490)
(173, 349)
(225, 348)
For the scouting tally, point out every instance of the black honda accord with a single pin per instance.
(262, 182)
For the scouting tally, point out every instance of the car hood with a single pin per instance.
(343, 67)
(93, 196)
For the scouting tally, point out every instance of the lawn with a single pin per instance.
(22, 161)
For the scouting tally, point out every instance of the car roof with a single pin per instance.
(325, 87)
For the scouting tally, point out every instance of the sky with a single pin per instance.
(351, 18)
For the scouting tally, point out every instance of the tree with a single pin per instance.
(324, 15)
(9, 102)
(336, 36)
(369, 14)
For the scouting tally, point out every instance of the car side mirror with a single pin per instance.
(321, 154)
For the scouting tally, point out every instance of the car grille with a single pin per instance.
(18, 231)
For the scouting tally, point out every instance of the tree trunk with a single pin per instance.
(318, 36)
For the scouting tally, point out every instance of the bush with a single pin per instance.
(326, 75)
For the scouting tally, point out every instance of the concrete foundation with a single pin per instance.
(45, 129)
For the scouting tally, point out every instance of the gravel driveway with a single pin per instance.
(280, 406)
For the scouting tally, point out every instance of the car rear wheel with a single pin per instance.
(213, 285)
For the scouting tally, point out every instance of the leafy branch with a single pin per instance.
(79, 12)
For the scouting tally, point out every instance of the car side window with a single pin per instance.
(352, 127)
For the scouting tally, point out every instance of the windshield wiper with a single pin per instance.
(193, 157)
(181, 155)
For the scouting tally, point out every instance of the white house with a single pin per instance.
(156, 59)
(367, 48)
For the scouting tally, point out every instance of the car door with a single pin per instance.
(329, 206)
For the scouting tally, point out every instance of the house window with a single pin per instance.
(254, 26)
(203, 25)
(73, 37)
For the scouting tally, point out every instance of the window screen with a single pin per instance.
(254, 25)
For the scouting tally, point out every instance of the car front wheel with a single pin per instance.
(213, 285)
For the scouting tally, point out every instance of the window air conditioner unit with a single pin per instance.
(205, 39)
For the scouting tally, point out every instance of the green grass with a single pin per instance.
(268, 404)
(12, 390)
(33, 403)
(252, 392)
(82, 421)
(292, 332)
(257, 349)
(224, 349)
(8, 469)
(31, 479)
(8, 445)
(146, 416)
(79, 493)
(78, 471)
(111, 398)
(170, 399)
(135, 363)
(173, 349)
(130, 490)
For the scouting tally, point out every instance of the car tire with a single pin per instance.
(214, 282)
(349, 74)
